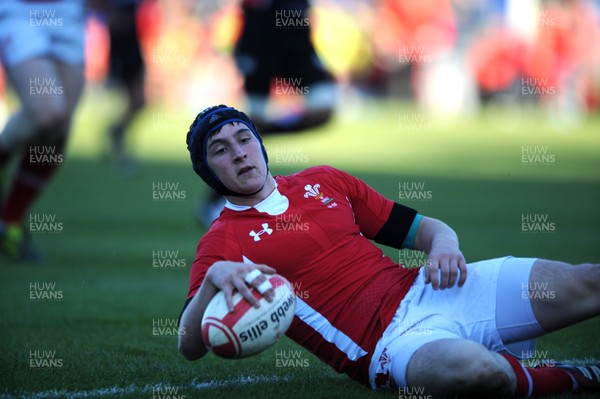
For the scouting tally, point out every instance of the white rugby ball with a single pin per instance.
(248, 330)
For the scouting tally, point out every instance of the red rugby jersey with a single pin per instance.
(316, 230)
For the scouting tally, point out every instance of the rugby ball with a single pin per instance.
(248, 330)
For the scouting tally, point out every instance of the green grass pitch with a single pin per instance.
(105, 331)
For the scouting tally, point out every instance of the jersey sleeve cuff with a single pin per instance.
(409, 241)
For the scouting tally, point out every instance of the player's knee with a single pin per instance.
(473, 377)
(479, 372)
(459, 368)
(483, 375)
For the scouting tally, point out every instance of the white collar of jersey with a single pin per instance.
(274, 204)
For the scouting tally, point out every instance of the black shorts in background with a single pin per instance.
(276, 42)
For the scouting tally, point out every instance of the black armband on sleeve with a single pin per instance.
(396, 228)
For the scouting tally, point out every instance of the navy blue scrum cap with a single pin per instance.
(205, 125)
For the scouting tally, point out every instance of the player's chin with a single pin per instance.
(242, 189)
(249, 186)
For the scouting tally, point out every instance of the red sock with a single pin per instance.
(30, 179)
(540, 381)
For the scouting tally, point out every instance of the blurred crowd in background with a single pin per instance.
(448, 56)
(290, 64)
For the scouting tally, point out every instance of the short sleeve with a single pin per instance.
(378, 217)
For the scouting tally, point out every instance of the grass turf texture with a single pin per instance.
(102, 260)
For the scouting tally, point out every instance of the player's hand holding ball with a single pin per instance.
(251, 311)
(229, 276)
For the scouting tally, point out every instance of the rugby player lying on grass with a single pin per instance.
(365, 315)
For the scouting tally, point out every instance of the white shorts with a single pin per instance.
(42, 29)
(492, 308)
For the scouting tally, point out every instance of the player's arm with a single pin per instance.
(399, 226)
(445, 263)
(222, 275)
(190, 342)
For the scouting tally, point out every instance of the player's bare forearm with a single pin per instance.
(434, 232)
(445, 262)
(190, 343)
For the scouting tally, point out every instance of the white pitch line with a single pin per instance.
(157, 389)
(241, 381)
(588, 361)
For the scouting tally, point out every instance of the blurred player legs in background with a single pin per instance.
(127, 71)
(42, 52)
(276, 56)
(278, 61)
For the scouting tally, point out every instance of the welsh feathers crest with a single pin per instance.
(312, 191)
